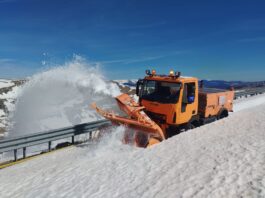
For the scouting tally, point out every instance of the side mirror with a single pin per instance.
(191, 99)
(138, 84)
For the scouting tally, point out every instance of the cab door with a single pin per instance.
(188, 102)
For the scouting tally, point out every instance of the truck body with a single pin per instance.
(168, 105)
(215, 102)
(178, 103)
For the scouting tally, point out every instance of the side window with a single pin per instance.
(191, 91)
(188, 95)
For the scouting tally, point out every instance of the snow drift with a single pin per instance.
(61, 97)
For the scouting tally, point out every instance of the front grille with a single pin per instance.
(160, 118)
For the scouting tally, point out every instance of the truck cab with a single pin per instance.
(168, 105)
(177, 103)
(171, 101)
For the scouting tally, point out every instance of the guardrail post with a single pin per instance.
(24, 152)
(49, 145)
(90, 135)
(15, 155)
(73, 139)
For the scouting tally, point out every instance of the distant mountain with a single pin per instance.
(221, 84)
(126, 85)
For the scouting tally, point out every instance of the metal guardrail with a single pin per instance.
(22, 142)
(250, 92)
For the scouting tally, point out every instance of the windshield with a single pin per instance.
(164, 92)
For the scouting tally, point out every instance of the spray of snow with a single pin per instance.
(60, 97)
(109, 145)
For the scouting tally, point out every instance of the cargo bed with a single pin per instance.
(212, 101)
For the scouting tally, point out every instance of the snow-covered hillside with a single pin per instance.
(222, 159)
(8, 93)
(5, 83)
(126, 86)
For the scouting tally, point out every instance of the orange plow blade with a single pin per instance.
(137, 119)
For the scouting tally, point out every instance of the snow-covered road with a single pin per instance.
(222, 159)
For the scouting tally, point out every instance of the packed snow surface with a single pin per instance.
(222, 159)
(245, 103)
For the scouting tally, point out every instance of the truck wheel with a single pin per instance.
(189, 126)
(141, 139)
(222, 115)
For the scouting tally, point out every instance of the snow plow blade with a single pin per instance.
(147, 131)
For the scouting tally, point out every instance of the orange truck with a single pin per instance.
(168, 105)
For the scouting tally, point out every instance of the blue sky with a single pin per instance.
(207, 39)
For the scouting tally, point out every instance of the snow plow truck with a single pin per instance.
(168, 105)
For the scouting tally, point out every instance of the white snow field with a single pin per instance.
(5, 83)
(222, 159)
(244, 103)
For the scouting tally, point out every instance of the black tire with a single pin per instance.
(223, 114)
(189, 126)
(141, 139)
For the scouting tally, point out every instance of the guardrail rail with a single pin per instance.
(22, 142)
(249, 92)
